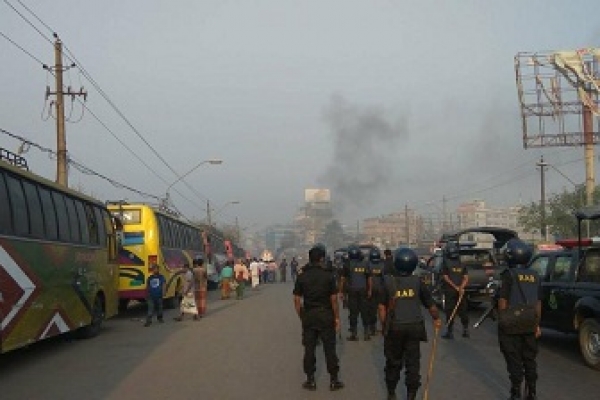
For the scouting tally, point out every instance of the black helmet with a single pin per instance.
(375, 255)
(405, 260)
(322, 247)
(354, 253)
(517, 252)
(451, 250)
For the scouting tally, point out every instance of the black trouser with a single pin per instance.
(520, 352)
(461, 312)
(372, 303)
(402, 347)
(357, 303)
(319, 323)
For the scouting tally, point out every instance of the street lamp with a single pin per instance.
(213, 162)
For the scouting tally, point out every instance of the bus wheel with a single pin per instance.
(589, 342)
(93, 329)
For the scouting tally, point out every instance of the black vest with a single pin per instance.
(529, 281)
(404, 291)
(357, 275)
(376, 275)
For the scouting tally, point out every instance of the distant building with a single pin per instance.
(393, 230)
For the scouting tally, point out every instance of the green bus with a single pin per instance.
(58, 252)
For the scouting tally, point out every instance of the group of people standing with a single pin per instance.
(388, 287)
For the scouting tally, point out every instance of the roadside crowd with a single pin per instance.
(234, 276)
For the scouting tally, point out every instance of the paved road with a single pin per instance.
(251, 349)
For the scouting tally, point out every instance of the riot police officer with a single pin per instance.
(400, 313)
(376, 266)
(356, 280)
(520, 285)
(454, 280)
(388, 262)
(315, 301)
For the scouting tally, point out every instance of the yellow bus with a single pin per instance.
(58, 250)
(150, 237)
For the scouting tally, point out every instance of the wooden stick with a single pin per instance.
(460, 296)
(436, 332)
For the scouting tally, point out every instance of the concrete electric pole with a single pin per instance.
(61, 141)
(543, 229)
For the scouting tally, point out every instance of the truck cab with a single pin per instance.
(571, 290)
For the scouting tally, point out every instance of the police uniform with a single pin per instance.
(456, 273)
(402, 296)
(520, 350)
(315, 286)
(356, 274)
(376, 269)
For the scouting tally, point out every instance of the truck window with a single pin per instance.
(540, 265)
(590, 270)
(561, 270)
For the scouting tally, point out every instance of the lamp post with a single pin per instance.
(213, 162)
(218, 211)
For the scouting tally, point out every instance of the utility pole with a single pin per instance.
(543, 230)
(209, 229)
(588, 135)
(61, 141)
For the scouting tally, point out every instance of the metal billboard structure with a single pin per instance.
(558, 95)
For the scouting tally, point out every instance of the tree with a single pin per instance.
(560, 210)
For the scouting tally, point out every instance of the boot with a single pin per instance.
(391, 395)
(352, 337)
(448, 335)
(310, 383)
(515, 393)
(466, 333)
(367, 335)
(335, 383)
(530, 391)
(411, 395)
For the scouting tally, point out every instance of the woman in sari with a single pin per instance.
(200, 285)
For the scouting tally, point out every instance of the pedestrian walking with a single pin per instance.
(402, 296)
(294, 268)
(188, 301)
(356, 281)
(241, 276)
(255, 273)
(455, 278)
(226, 278)
(283, 270)
(155, 291)
(200, 285)
(376, 267)
(315, 301)
(519, 313)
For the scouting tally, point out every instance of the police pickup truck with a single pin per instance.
(483, 263)
(571, 289)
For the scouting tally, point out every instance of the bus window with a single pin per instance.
(73, 220)
(92, 223)
(83, 222)
(49, 213)
(36, 218)
(61, 216)
(18, 206)
(5, 218)
(101, 225)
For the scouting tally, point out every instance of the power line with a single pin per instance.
(22, 49)
(79, 166)
(27, 21)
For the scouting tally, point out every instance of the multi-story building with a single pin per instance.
(393, 230)
(477, 213)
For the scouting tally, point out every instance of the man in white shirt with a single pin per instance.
(254, 273)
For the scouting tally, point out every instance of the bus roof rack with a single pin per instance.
(13, 158)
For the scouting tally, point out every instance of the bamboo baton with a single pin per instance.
(436, 332)
(460, 296)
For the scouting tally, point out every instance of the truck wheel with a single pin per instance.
(589, 342)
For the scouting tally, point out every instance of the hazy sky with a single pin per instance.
(385, 102)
